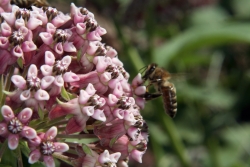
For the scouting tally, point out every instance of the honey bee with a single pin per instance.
(160, 79)
(28, 3)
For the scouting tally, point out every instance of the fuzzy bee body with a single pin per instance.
(28, 3)
(160, 79)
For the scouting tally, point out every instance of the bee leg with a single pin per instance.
(150, 96)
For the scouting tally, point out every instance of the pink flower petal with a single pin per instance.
(46, 37)
(49, 58)
(104, 157)
(101, 31)
(90, 89)
(88, 110)
(3, 128)
(99, 115)
(25, 95)
(51, 133)
(111, 52)
(119, 113)
(51, 28)
(19, 81)
(140, 102)
(80, 28)
(137, 81)
(129, 117)
(112, 100)
(7, 113)
(137, 155)
(102, 63)
(61, 147)
(69, 47)
(32, 71)
(59, 81)
(33, 23)
(9, 17)
(5, 29)
(105, 77)
(19, 23)
(46, 70)
(34, 142)
(4, 42)
(92, 48)
(34, 156)
(13, 140)
(17, 51)
(49, 161)
(28, 46)
(41, 95)
(118, 91)
(58, 48)
(25, 115)
(70, 77)
(28, 132)
(141, 90)
(94, 36)
(47, 81)
(83, 97)
(115, 157)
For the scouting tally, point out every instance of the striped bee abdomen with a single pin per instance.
(169, 99)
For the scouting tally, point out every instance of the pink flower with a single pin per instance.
(31, 89)
(15, 128)
(87, 105)
(47, 147)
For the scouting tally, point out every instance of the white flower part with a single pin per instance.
(46, 70)
(70, 77)
(104, 157)
(88, 110)
(32, 71)
(59, 81)
(47, 81)
(19, 81)
(83, 97)
(99, 115)
(115, 157)
(25, 95)
(49, 58)
(90, 89)
(41, 95)
(66, 60)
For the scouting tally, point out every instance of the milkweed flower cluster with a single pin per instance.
(61, 84)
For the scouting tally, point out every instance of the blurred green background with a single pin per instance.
(206, 44)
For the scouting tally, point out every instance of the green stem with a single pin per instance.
(3, 148)
(78, 136)
(171, 130)
(64, 158)
(211, 144)
(7, 84)
(19, 157)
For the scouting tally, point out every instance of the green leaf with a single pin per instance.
(24, 148)
(198, 37)
(40, 113)
(20, 62)
(79, 55)
(87, 150)
(64, 94)
(208, 15)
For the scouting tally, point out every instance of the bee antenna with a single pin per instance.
(143, 69)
